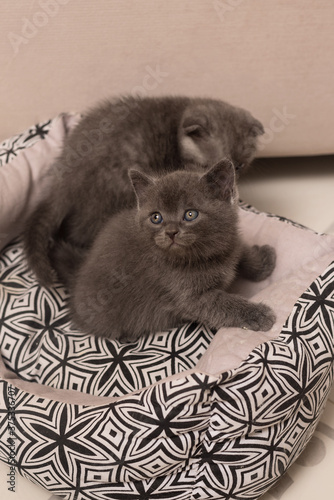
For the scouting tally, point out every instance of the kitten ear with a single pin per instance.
(194, 130)
(220, 181)
(195, 122)
(196, 127)
(140, 183)
(256, 128)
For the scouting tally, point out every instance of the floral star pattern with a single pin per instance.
(10, 148)
(191, 436)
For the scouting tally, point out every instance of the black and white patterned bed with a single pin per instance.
(88, 418)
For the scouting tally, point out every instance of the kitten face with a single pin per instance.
(211, 130)
(188, 215)
(175, 232)
(174, 220)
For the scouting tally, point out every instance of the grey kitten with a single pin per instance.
(90, 179)
(169, 261)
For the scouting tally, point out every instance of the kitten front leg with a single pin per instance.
(257, 262)
(255, 316)
(218, 308)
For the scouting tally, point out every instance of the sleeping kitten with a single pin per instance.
(169, 261)
(90, 178)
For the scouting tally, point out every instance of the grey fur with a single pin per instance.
(154, 135)
(141, 277)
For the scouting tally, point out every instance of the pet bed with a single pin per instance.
(183, 414)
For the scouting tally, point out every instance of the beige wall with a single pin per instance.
(274, 57)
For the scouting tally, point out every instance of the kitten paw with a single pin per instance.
(258, 317)
(258, 263)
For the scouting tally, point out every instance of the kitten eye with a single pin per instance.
(190, 215)
(156, 218)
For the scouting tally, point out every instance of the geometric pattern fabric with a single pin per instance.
(193, 436)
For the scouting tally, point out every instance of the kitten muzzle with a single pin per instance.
(172, 235)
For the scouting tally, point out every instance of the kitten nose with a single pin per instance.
(172, 233)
